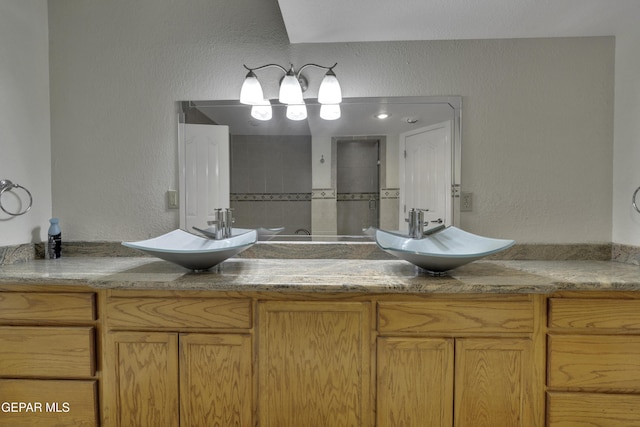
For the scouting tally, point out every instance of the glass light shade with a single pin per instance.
(290, 90)
(262, 111)
(330, 111)
(297, 112)
(329, 91)
(251, 91)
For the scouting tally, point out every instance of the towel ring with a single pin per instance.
(6, 185)
(633, 200)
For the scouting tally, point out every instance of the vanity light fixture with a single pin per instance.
(291, 87)
(262, 111)
(330, 111)
(296, 111)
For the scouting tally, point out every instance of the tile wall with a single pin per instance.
(271, 181)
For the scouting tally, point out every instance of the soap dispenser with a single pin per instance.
(54, 243)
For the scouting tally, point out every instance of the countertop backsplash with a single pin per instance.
(338, 250)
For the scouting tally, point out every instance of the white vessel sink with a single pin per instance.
(194, 252)
(442, 251)
(263, 233)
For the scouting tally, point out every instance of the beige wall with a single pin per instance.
(25, 144)
(537, 124)
(626, 221)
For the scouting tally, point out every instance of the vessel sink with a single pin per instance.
(194, 252)
(442, 251)
(263, 233)
(268, 233)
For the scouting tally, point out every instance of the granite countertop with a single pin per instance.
(327, 275)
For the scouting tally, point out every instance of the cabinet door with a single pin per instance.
(144, 379)
(494, 383)
(314, 364)
(415, 382)
(215, 380)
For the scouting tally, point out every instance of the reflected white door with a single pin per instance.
(204, 173)
(426, 173)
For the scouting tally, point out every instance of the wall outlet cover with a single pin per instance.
(172, 199)
(466, 201)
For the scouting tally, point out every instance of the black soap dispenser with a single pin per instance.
(54, 243)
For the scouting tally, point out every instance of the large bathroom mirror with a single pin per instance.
(327, 177)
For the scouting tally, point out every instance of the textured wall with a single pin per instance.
(537, 113)
(626, 221)
(25, 144)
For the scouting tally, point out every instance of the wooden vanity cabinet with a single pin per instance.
(593, 360)
(48, 358)
(460, 361)
(314, 363)
(179, 361)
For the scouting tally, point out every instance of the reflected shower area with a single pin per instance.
(358, 185)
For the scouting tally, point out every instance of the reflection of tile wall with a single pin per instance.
(270, 197)
(323, 193)
(323, 213)
(271, 181)
(389, 208)
(270, 164)
(346, 197)
(292, 215)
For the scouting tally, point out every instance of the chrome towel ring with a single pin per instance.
(6, 185)
(633, 200)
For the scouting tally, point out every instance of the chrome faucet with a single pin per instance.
(417, 223)
(223, 223)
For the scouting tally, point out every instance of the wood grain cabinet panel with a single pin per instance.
(172, 379)
(607, 362)
(617, 314)
(39, 306)
(27, 351)
(456, 316)
(144, 382)
(314, 364)
(415, 382)
(494, 384)
(52, 403)
(216, 385)
(178, 313)
(592, 410)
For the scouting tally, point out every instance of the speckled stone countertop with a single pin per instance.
(327, 275)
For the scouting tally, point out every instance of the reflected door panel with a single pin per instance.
(206, 173)
(426, 166)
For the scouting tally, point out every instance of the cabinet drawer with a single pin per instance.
(50, 403)
(592, 409)
(181, 313)
(456, 316)
(47, 351)
(607, 363)
(69, 307)
(594, 313)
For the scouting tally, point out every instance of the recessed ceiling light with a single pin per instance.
(382, 116)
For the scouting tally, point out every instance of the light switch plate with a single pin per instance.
(172, 199)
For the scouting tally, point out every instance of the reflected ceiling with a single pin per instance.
(358, 117)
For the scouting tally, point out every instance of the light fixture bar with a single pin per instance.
(290, 91)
